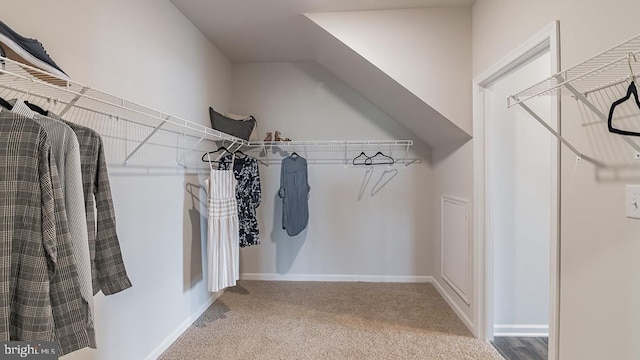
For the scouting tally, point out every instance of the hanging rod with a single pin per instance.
(332, 143)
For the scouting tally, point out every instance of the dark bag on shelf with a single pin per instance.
(239, 128)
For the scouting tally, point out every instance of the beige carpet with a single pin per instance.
(329, 320)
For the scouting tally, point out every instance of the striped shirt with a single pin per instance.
(65, 151)
(107, 266)
(38, 278)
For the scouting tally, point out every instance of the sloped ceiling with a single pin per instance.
(249, 31)
(385, 91)
(353, 42)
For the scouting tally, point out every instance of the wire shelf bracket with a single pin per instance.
(600, 76)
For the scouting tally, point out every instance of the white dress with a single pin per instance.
(223, 243)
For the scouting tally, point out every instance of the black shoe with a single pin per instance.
(2, 55)
(28, 51)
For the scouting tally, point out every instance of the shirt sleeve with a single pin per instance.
(77, 219)
(66, 301)
(111, 273)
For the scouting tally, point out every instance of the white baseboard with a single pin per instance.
(331, 277)
(463, 317)
(169, 340)
(521, 330)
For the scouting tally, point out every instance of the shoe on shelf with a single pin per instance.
(30, 52)
(278, 138)
(268, 137)
(2, 55)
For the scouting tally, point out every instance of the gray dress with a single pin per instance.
(294, 191)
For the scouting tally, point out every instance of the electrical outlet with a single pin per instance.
(633, 201)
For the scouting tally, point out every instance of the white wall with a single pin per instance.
(382, 236)
(599, 246)
(425, 50)
(145, 51)
(519, 177)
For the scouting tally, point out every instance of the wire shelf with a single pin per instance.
(331, 152)
(136, 135)
(595, 84)
(133, 133)
(609, 68)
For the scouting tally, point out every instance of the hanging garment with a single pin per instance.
(41, 298)
(223, 249)
(65, 151)
(248, 196)
(107, 266)
(294, 191)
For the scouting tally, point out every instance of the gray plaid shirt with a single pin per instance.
(38, 279)
(107, 267)
(65, 151)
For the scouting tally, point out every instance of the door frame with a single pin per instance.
(548, 39)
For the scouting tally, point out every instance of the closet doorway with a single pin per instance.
(517, 205)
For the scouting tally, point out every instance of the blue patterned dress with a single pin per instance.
(248, 196)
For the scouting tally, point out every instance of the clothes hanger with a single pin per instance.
(631, 90)
(380, 184)
(244, 156)
(363, 157)
(215, 151)
(20, 107)
(36, 108)
(386, 160)
(294, 155)
(365, 182)
(5, 104)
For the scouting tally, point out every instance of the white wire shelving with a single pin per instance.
(331, 151)
(139, 136)
(595, 84)
(134, 134)
(599, 72)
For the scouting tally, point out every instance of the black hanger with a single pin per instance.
(5, 104)
(630, 90)
(294, 154)
(244, 156)
(384, 159)
(36, 108)
(215, 151)
(363, 157)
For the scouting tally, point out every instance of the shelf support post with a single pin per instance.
(73, 101)
(184, 155)
(155, 130)
(580, 97)
(558, 136)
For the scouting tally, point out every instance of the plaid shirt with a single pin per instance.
(65, 152)
(38, 278)
(107, 267)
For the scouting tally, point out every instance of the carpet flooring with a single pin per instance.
(329, 320)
